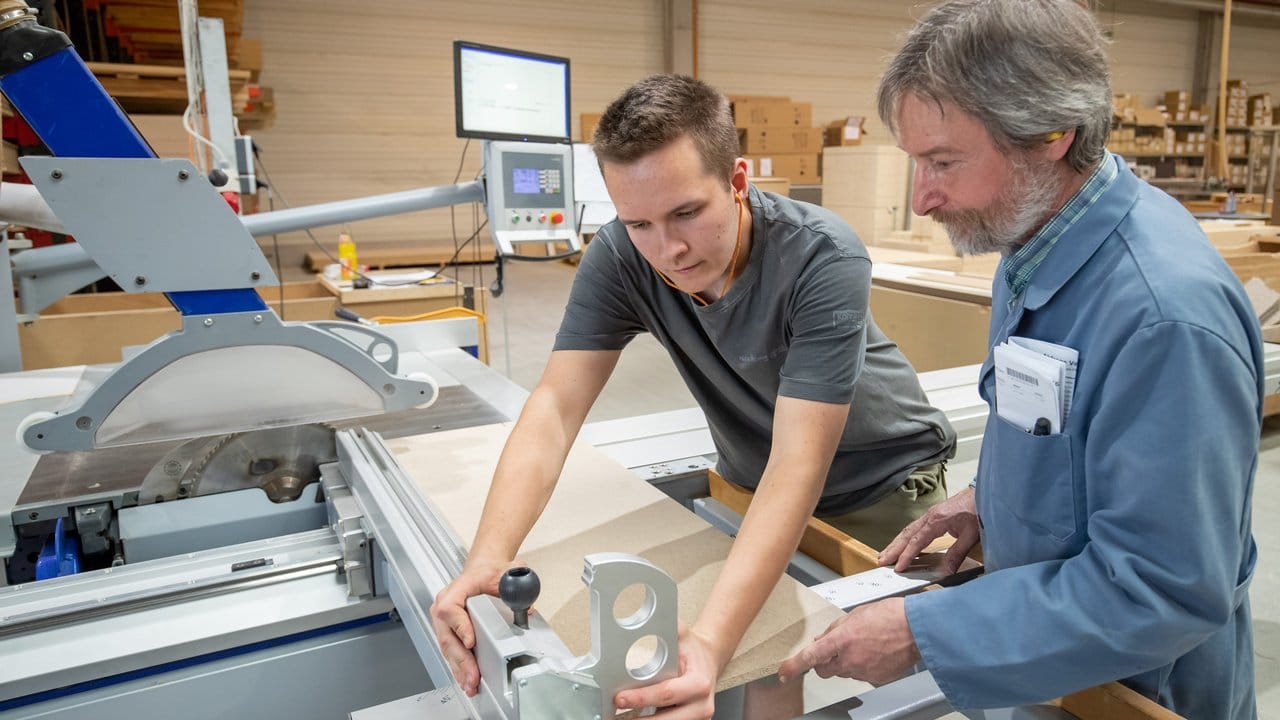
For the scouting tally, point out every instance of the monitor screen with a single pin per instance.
(502, 94)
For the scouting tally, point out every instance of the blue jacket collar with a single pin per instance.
(1084, 238)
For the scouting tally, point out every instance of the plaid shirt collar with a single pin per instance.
(1021, 265)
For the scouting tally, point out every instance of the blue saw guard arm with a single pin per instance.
(73, 115)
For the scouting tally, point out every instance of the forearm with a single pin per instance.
(768, 537)
(526, 475)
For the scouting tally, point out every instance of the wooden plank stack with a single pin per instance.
(134, 48)
(141, 31)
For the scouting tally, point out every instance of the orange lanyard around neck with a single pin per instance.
(733, 261)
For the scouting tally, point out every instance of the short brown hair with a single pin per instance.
(661, 108)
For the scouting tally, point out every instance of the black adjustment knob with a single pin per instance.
(218, 177)
(519, 588)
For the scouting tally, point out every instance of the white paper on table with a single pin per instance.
(34, 384)
(401, 278)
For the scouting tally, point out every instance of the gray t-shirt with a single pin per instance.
(795, 323)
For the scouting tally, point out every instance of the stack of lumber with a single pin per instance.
(141, 31)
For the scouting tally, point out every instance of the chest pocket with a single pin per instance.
(1031, 477)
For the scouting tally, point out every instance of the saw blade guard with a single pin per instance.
(234, 373)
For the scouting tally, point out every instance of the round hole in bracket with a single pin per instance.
(389, 389)
(381, 352)
(634, 606)
(646, 656)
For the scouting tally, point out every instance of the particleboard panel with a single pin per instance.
(599, 506)
(373, 112)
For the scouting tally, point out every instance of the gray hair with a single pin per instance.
(1023, 68)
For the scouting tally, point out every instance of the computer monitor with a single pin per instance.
(502, 94)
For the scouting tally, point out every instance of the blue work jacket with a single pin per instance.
(1121, 547)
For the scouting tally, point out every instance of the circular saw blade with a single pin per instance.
(279, 461)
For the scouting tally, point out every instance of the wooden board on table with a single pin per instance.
(1114, 701)
(599, 506)
(822, 542)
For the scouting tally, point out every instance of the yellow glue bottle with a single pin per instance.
(347, 256)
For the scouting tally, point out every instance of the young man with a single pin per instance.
(1118, 547)
(762, 304)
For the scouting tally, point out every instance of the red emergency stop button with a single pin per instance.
(557, 218)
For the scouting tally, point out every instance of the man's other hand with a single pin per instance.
(956, 516)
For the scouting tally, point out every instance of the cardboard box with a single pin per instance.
(748, 113)
(1148, 116)
(1177, 99)
(589, 122)
(845, 132)
(769, 139)
(801, 168)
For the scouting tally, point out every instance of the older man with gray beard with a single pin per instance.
(1117, 538)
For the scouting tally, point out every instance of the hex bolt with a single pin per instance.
(183, 175)
(140, 281)
(208, 322)
(28, 56)
(257, 318)
(56, 174)
(33, 516)
(255, 275)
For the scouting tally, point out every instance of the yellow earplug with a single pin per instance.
(1055, 135)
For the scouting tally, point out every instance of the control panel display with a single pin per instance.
(536, 180)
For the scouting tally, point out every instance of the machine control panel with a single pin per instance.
(529, 194)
